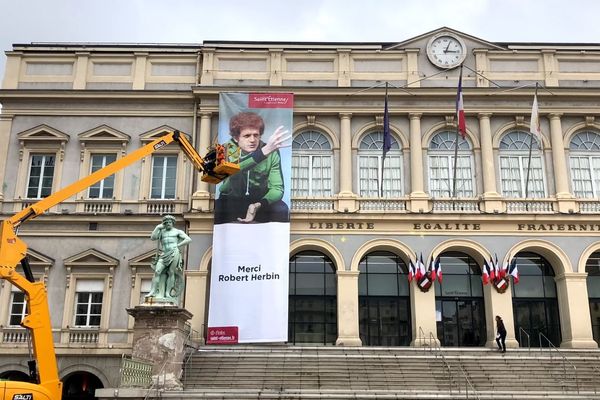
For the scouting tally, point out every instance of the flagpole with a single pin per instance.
(456, 146)
(386, 123)
(530, 150)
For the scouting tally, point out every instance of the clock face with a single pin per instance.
(446, 51)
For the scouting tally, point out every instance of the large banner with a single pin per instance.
(250, 260)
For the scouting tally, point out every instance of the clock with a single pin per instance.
(446, 50)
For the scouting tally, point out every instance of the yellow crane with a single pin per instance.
(13, 251)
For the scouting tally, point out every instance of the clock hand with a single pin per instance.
(447, 47)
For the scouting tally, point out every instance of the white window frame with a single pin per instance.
(448, 155)
(589, 151)
(23, 304)
(41, 139)
(163, 178)
(391, 188)
(42, 175)
(101, 184)
(523, 157)
(88, 315)
(305, 159)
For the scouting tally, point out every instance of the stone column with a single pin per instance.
(492, 200)
(347, 303)
(575, 320)
(346, 198)
(159, 336)
(423, 315)
(201, 196)
(566, 203)
(5, 128)
(195, 300)
(499, 304)
(418, 198)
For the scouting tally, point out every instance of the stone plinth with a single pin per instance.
(159, 335)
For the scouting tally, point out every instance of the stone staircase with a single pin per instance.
(282, 372)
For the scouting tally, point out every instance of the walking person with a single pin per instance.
(500, 334)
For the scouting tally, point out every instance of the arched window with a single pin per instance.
(585, 164)
(312, 164)
(384, 300)
(441, 166)
(313, 299)
(371, 164)
(459, 301)
(535, 303)
(514, 159)
(592, 267)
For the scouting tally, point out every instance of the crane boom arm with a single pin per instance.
(14, 251)
(45, 204)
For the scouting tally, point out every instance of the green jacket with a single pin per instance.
(260, 178)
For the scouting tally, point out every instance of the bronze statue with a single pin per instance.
(168, 282)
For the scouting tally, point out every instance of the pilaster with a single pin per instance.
(139, 76)
(575, 320)
(412, 67)
(201, 196)
(566, 202)
(347, 303)
(5, 128)
(492, 200)
(423, 316)
(499, 304)
(347, 200)
(81, 70)
(419, 200)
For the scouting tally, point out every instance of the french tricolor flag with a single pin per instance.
(460, 108)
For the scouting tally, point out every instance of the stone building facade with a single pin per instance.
(70, 108)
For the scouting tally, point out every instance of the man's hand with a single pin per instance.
(160, 226)
(276, 141)
(251, 213)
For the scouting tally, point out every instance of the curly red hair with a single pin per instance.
(245, 120)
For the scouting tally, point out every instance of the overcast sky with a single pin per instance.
(193, 21)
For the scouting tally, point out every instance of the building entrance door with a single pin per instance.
(384, 321)
(384, 300)
(461, 322)
(535, 303)
(536, 316)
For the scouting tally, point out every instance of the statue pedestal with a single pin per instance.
(159, 336)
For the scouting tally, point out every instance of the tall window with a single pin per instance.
(18, 308)
(384, 300)
(592, 267)
(441, 166)
(164, 171)
(312, 161)
(41, 174)
(105, 188)
(88, 304)
(459, 302)
(585, 164)
(514, 160)
(313, 299)
(370, 151)
(535, 302)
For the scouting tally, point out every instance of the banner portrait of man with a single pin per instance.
(249, 276)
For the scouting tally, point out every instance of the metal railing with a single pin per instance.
(521, 333)
(434, 347)
(135, 372)
(564, 359)
(468, 383)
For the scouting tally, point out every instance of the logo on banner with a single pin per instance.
(271, 100)
(222, 335)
